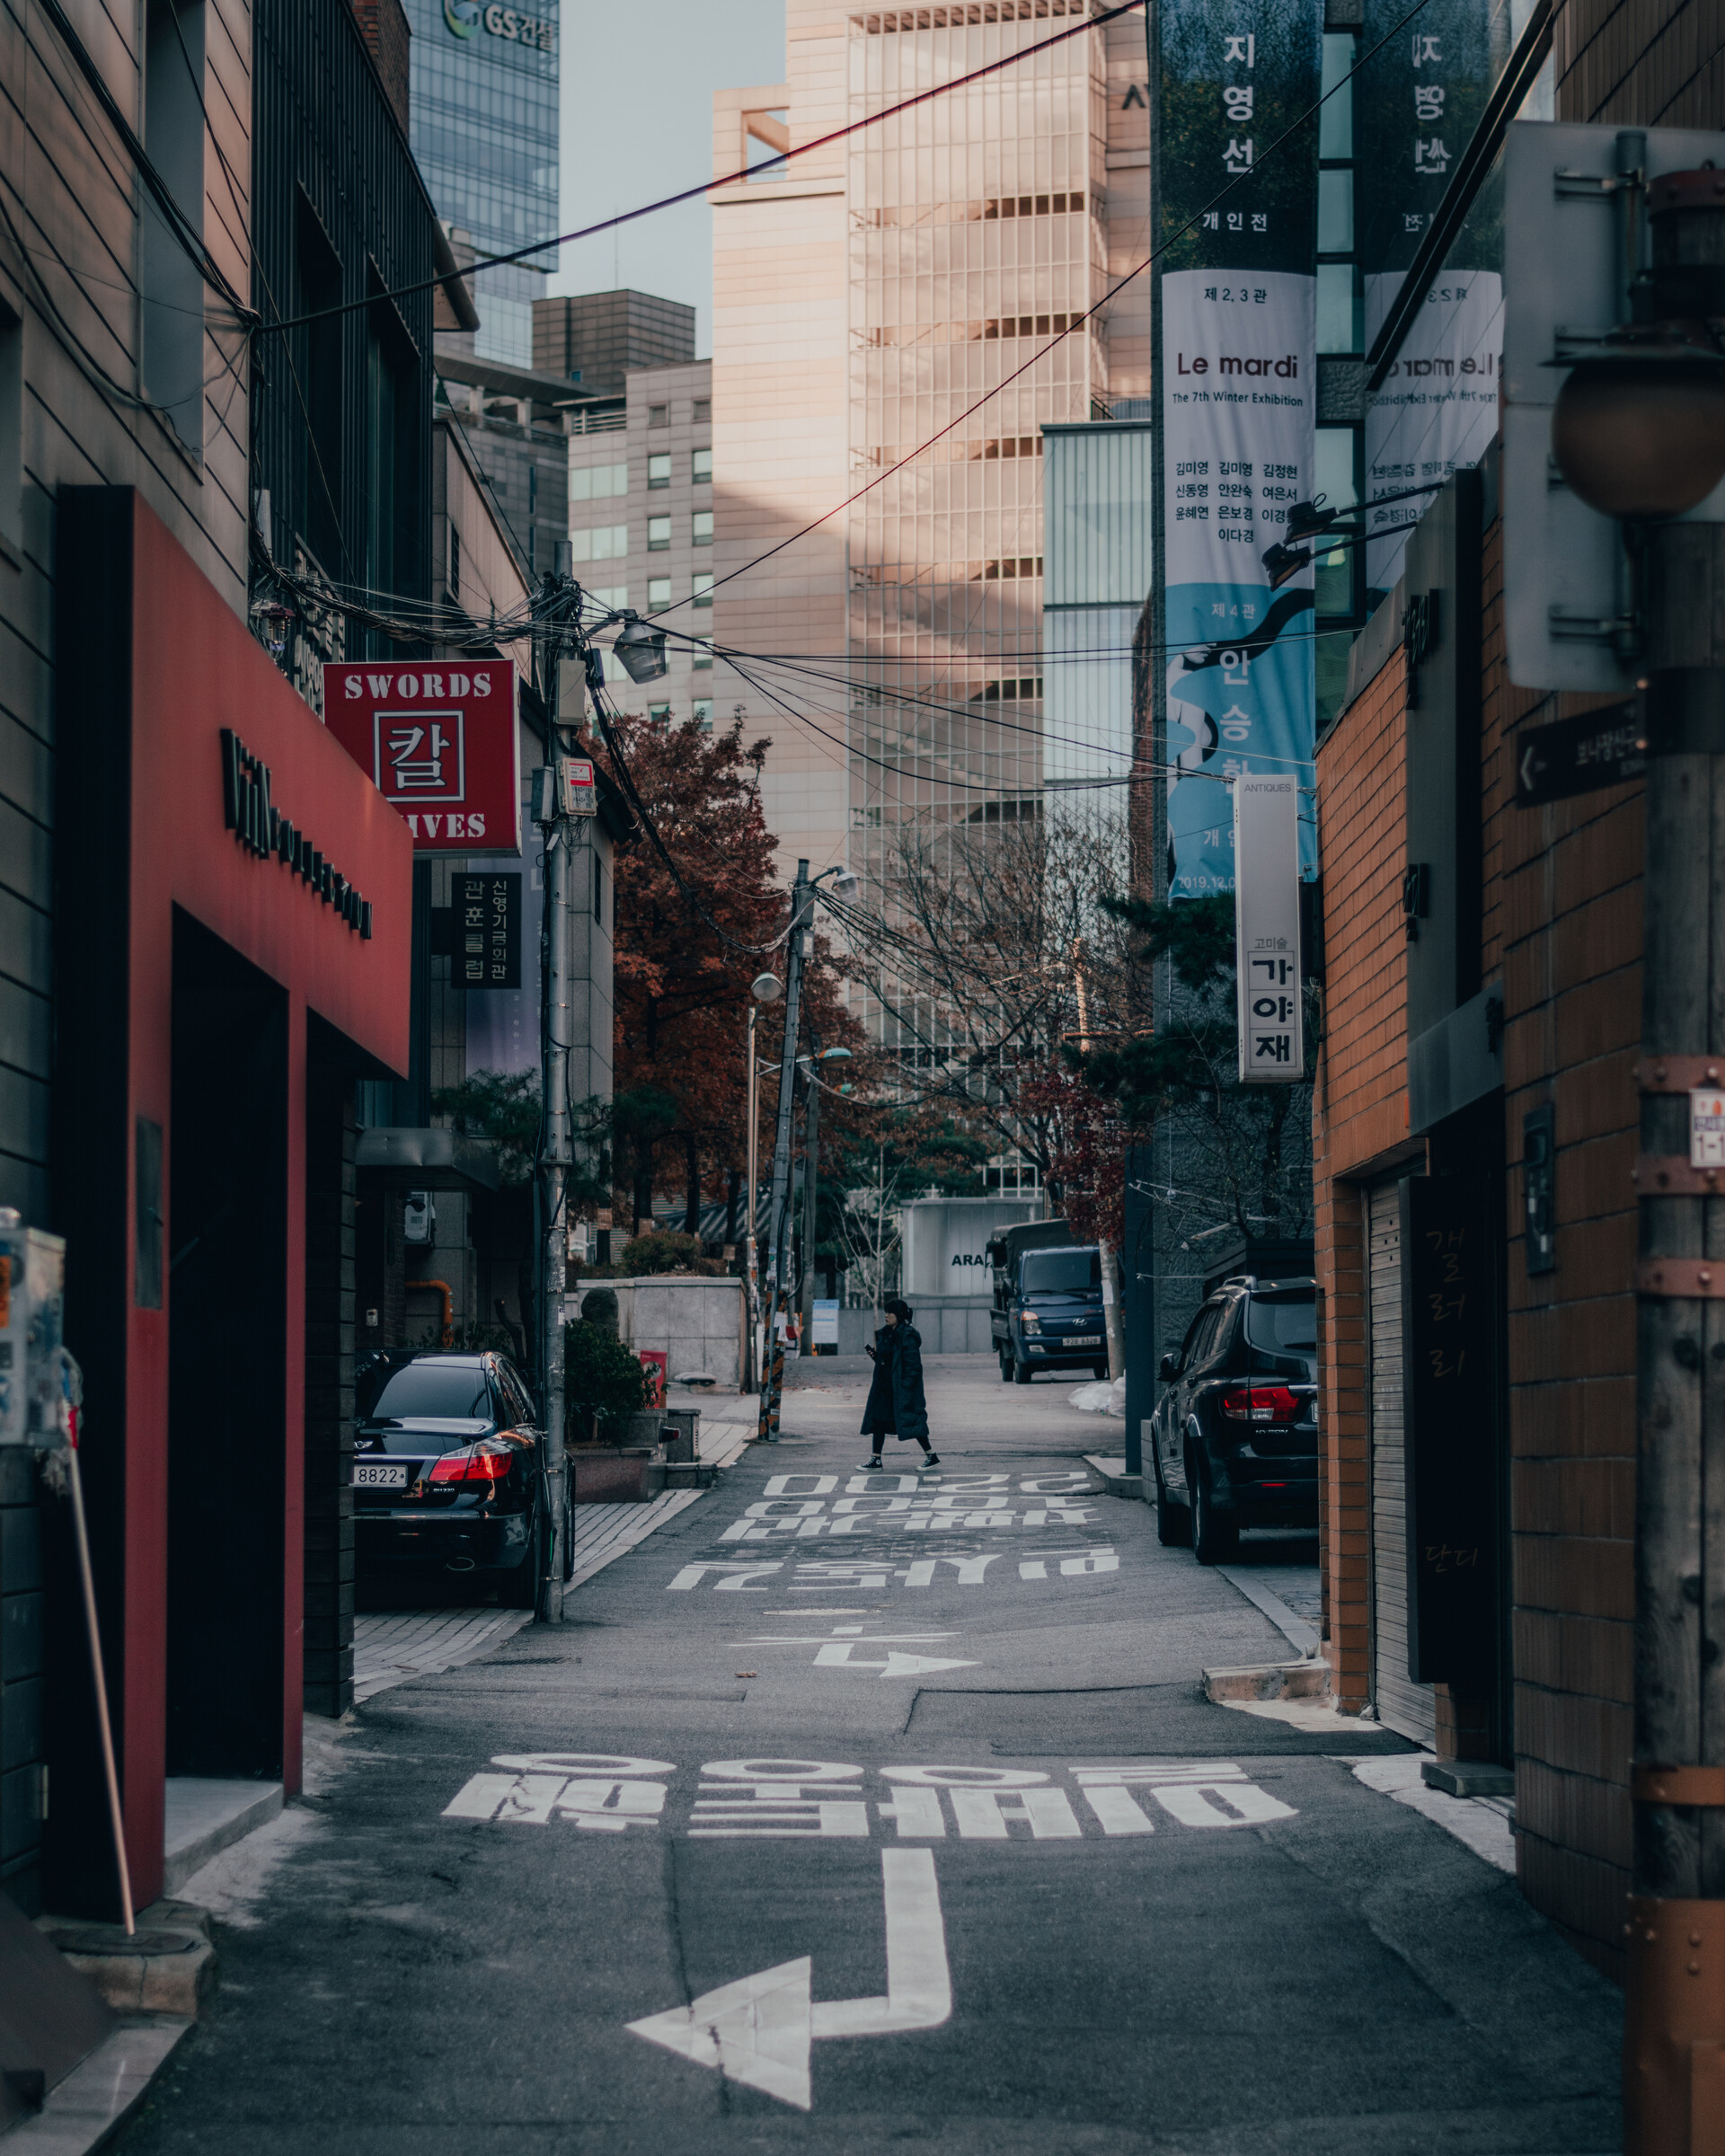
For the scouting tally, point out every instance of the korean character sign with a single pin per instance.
(1267, 930)
(1237, 328)
(1416, 106)
(439, 741)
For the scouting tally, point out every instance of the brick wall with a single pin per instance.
(1360, 1116)
(1564, 909)
(382, 23)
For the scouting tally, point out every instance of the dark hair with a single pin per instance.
(899, 1308)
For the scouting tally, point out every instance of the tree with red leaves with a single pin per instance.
(682, 989)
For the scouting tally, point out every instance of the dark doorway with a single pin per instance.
(227, 1289)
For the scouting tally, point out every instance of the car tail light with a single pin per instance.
(1261, 1403)
(476, 1463)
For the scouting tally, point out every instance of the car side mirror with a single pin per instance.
(1168, 1369)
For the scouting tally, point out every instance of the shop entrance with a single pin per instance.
(227, 1285)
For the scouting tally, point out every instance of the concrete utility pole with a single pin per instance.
(559, 839)
(811, 1192)
(778, 1222)
(1675, 2037)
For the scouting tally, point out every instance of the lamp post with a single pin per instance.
(1638, 430)
(766, 988)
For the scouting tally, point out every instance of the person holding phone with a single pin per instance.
(898, 1405)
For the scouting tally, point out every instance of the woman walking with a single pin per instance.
(896, 1403)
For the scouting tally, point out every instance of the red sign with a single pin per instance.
(440, 743)
(653, 1361)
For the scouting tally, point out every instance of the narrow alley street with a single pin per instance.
(846, 1813)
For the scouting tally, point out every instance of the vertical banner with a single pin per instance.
(1416, 106)
(1267, 929)
(1238, 405)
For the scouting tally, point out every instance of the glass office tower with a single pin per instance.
(484, 131)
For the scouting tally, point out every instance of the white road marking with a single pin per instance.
(759, 2030)
(837, 1650)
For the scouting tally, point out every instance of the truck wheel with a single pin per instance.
(1022, 1373)
(1215, 1540)
(1173, 1522)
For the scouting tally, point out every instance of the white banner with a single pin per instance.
(1439, 408)
(1239, 441)
(1267, 930)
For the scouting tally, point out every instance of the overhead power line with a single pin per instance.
(705, 187)
(1078, 322)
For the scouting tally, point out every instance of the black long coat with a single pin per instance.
(896, 1403)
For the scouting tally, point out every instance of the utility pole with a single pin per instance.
(751, 1253)
(779, 1201)
(1113, 1331)
(811, 1192)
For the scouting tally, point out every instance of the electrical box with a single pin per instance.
(419, 1218)
(32, 1292)
(1565, 283)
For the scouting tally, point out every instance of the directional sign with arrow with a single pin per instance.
(836, 1649)
(1577, 756)
(759, 2030)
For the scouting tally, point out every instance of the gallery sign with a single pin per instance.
(440, 744)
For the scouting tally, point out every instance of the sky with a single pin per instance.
(637, 123)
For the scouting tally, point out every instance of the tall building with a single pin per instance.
(641, 532)
(595, 338)
(484, 131)
(864, 298)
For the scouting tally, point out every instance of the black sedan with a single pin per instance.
(447, 1472)
(1235, 1435)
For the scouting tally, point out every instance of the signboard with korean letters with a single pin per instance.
(1416, 105)
(440, 742)
(1237, 306)
(487, 924)
(1267, 930)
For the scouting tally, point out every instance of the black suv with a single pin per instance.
(1236, 1434)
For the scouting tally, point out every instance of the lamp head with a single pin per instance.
(640, 649)
(846, 885)
(766, 987)
(1283, 563)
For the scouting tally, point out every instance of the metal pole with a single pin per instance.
(811, 1193)
(779, 1201)
(559, 836)
(751, 1268)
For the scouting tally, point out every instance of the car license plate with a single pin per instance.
(381, 1475)
(1084, 1340)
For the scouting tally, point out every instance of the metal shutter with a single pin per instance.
(1402, 1705)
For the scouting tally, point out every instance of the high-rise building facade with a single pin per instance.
(865, 298)
(484, 132)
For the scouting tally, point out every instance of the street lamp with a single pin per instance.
(640, 649)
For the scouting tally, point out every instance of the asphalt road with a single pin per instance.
(847, 1815)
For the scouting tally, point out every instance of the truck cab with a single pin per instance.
(1047, 1303)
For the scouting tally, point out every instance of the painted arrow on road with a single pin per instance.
(836, 1649)
(759, 2029)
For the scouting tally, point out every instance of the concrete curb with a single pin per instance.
(1301, 1680)
(166, 1966)
(95, 2099)
(1109, 1475)
(1294, 1629)
(205, 1818)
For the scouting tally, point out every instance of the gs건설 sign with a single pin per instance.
(440, 744)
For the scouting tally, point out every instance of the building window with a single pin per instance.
(659, 470)
(608, 595)
(700, 528)
(701, 654)
(658, 415)
(704, 587)
(659, 593)
(703, 412)
(171, 286)
(703, 713)
(701, 466)
(659, 534)
(592, 482)
(659, 714)
(599, 543)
